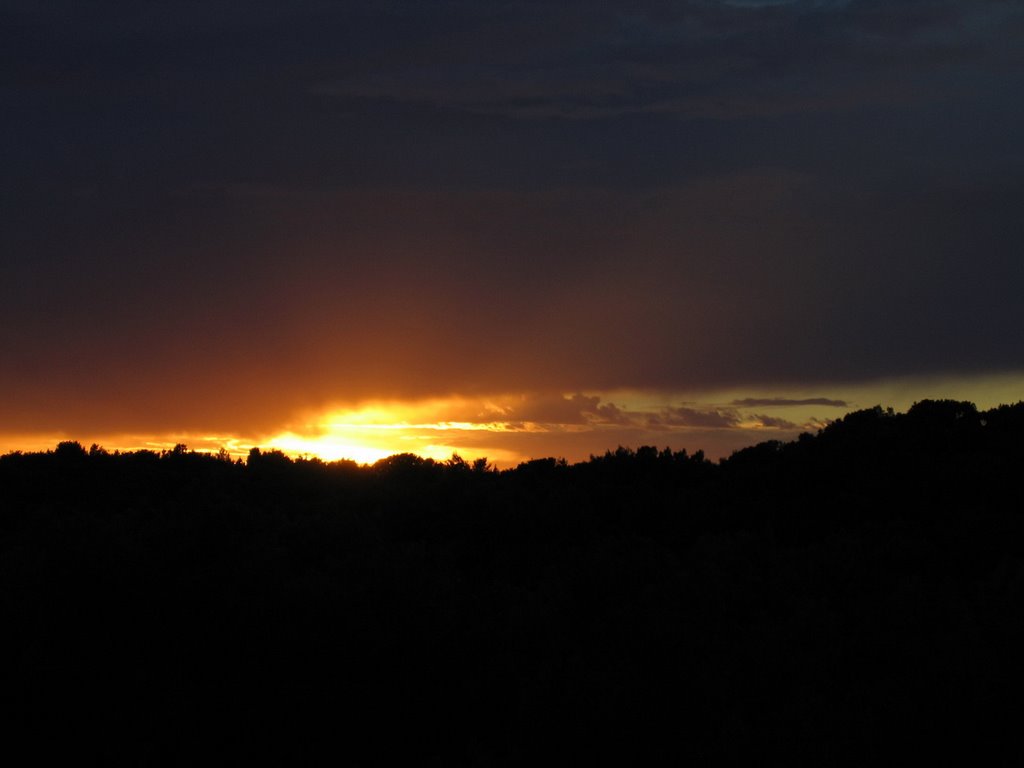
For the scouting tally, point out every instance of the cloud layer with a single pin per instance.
(215, 217)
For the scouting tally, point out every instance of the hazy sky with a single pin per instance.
(219, 216)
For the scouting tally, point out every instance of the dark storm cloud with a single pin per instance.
(698, 59)
(215, 212)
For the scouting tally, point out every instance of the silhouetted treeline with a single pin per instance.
(852, 596)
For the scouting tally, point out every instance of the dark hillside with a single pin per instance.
(849, 596)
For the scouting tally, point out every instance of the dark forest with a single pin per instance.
(851, 596)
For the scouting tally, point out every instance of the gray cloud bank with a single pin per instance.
(578, 410)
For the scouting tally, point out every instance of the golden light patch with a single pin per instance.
(330, 448)
(375, 431)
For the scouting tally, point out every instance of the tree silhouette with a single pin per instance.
(844, 595)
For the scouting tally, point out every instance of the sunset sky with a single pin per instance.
(507, 229)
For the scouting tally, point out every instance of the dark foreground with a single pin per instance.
(851, 597)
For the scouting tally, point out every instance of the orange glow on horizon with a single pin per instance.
(511, 428)
(432, 429)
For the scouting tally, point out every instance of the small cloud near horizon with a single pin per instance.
(771, 402)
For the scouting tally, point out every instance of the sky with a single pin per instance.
(512, 229)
